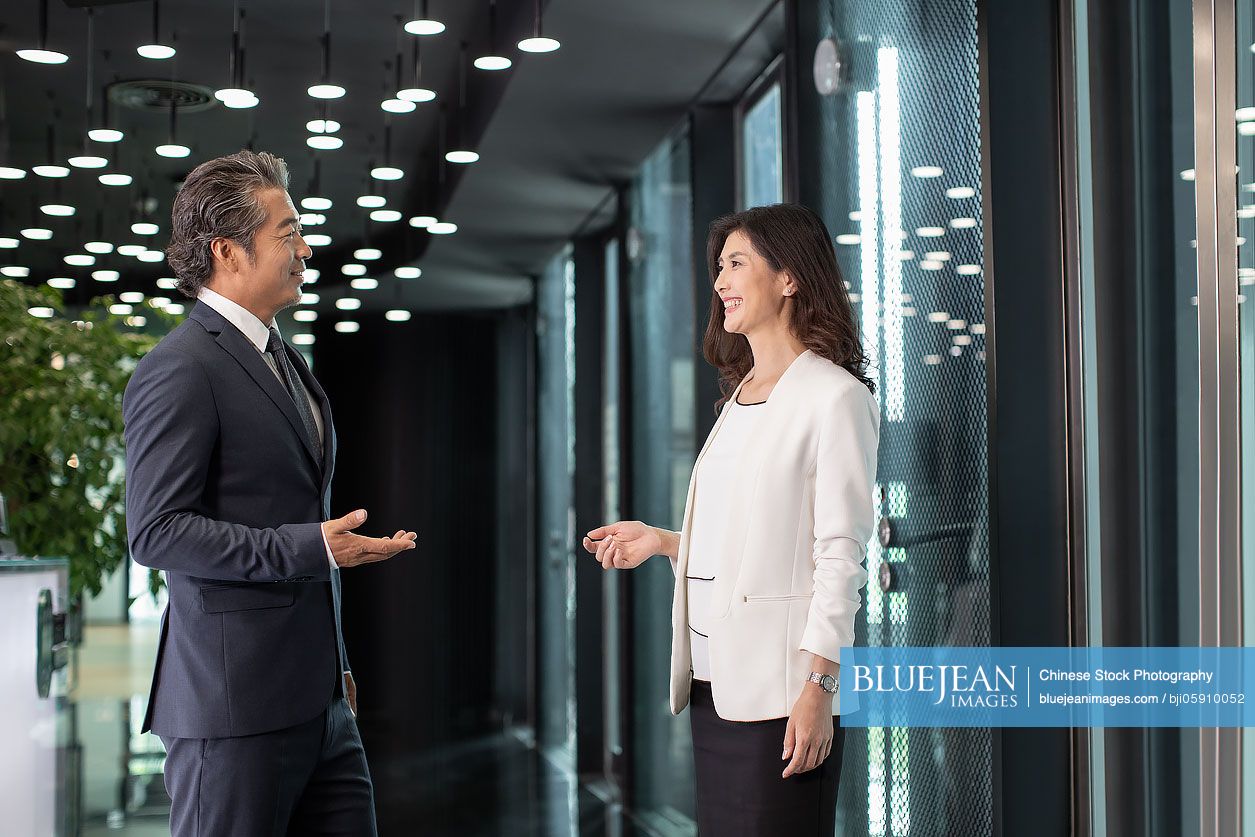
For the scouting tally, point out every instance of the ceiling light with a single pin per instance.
(8, 243)
(397, 105)
(131, 249)
(175, 308)
(963, 223)
(105, 275)
(172, 149)
(115, 179)
(316, 204)
(323, 142)
(344, 327)
(14, 271)
(322, 126)
(157, 52)
(40, 311)
(51, 171)
(422, 221)
(305, 316)
(538, 42)
(397, 315)
(43, 56)
(418, 95)
(424, 24)
(151, 256)
(145, 228)
(80, 260)
(407, 272)
(308, 298)
(849, 238)
(120, 309)
(385, 215)
(371, 201)
(364, 283)
(100, 248)
(132, 297)
(960, 192)
(968, 270)
(303, 339)
(159, 301)
(326, 91)
(37, 233)
(88, 161)
(61, 283)
(353, 270)
(387, 173)
(927, 172)
(105, 135)
(930, 232)
(318, 240)
(57, 210)
(493, 62)
(348, 303)
(311, 275)
(167, 283)
(367, 254)
(312, 219)
(242, 102)
(442, 228)
(461, 156)
(12, 173)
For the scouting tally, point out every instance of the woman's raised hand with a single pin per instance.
(624, 545)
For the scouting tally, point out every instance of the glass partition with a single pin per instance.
(762, 144)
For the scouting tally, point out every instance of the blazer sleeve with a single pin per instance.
(171, 429)
(845, 475)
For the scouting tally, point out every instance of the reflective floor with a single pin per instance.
(496, 786)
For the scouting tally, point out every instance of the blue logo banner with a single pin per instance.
(1047, 687)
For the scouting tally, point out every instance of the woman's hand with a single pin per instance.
(624, 545)
(808, 735)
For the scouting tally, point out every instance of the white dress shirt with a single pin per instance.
(258, 333)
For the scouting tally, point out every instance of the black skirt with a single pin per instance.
(739, 789)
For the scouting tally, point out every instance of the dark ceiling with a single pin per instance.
(555, 132)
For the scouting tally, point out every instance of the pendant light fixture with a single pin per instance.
(538, 42)
(387, 171)
(173, 149)
(423, 23)
(43, 55)
(155, 49)
(314, 201)
(102, 132)
(458, 151)
(105, 131)
(325, 89)
(235, 94)
(52, 168)
(397, 104)
(494, 60)
(114, 177)
(417, 94)
(100, 246)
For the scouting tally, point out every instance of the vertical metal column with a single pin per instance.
(1220, 570)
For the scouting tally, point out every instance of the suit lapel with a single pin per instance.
(324, 407)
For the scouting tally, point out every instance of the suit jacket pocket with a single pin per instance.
(224, 599)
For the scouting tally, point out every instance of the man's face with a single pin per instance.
(279, 253)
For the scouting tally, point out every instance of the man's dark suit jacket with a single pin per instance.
(225, 493)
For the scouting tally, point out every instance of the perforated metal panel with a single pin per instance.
(900, 168)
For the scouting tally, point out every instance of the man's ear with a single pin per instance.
(223, 251)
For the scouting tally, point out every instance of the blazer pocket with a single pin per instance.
(789, 598)
(226, 599)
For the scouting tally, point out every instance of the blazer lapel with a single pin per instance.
(324, 407)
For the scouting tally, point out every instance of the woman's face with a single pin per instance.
(755, 297)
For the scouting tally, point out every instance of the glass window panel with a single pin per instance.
(762, 151)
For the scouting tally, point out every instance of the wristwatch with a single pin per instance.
(825, 681)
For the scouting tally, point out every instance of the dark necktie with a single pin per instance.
(293, 382)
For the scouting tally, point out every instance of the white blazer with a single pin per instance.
(801, 513)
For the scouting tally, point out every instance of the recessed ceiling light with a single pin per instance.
(105, 275)
(61, 283)
(41, 312)
(347, 327)
(57, 210)
(157, 52)
(151, 256)
(397, 315)
(422, 221)
(371, 201)
(318, 240)
(80, 260)
(88, 161)
(303, 339)
(167, 283)
(316, 204)
(367, 254)
(145, 228)
(353, 269)
(364, 283)
(385, 215)
(418, 95)
(397, 105)
(14, 271)
(51, 171)
(308, 298)
(115, 179)
(37, 233)
(132, 297)
(173, 149)
(442, 228)
(131, 249)
(492, 62)
(539, 44)
(387, 173)
(348, 303)
(305, 316)
(12, 173)
(322, 126)
(326, 91)
(105, 135)
(462, 157)
(323, 142)
(407, 272)
(43, 56)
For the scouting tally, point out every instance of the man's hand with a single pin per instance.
(350, 692)
(349, 549)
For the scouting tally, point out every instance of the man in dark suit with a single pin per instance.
(230, 452)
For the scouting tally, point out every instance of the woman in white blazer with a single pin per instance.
(769, 560)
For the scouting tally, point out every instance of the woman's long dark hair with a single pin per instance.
(790, 237)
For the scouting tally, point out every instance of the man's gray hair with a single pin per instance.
(219, 200)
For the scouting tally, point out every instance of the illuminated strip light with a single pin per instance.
(889, 143)
(869, 267)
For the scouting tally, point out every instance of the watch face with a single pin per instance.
(829, 683)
